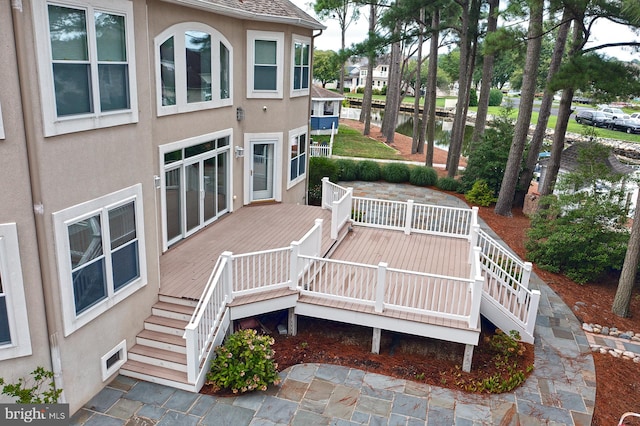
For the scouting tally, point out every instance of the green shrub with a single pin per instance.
(383, 91)
(423, 176)
(368, 171)
(473, 98)
(395, 172)
(360, 89)
(495, 97)
(347, 169)
(480, 194)
(448, 184)
(39, 393)
(244, 363)
(320, 167)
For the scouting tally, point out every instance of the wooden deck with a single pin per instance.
(186, 267)
(415, 252)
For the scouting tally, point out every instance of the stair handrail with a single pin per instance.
(205, 290)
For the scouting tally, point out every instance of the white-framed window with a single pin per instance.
(100, 248)
(193, 69)
(301, 65)
(297, 155)
(195, 184)
(265, 59)
(86, 64)
(15, 340)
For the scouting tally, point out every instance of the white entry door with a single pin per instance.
(262, 170)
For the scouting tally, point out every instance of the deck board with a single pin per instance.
(186, 267)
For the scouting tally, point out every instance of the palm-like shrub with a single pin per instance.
(395, 172)
(423, 176)
(368, 171)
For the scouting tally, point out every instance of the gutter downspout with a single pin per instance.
(36, 192)
(306, 183)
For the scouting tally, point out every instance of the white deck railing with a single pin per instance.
(409, 217)
(507, 281)
(206, 320)
(320, 150)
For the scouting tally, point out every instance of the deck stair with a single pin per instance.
(159, 355)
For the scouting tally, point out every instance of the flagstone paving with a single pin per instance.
(560, 391)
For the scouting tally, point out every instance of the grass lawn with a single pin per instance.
(351, 143)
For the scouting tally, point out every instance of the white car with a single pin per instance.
(613, 113)
(635, 116)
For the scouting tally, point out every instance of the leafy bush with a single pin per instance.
(423, 176)
(39, 393)
(347, 169)
(488, 159)
(480, 194)
(395, 172)
(582, 231)
(368, 171)
(320, 167)
(495, 97)
(473, 98)
(360, 89)
(244, 363)
(448, 184)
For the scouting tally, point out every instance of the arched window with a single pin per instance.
(193, 69)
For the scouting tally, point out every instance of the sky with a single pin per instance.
(604, 32)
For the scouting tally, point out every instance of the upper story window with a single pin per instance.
(265, 60)
(86, 64)
(193, 69)
(301, 66)
(15, 340)
(297, 155)
(101, 254)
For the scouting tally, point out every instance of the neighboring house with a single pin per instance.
(569, 163)
(356, 75)
(325, 110)
(128, 127)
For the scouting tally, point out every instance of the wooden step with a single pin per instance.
(168, 342)
(172, 310)
(155, 374)
(158, 357)
(178, 300)
(165, 325)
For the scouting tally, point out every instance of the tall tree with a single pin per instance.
(392, 104)
(512, 171)
(417, 88)
(487, 73)
(365, 112)
(346, 12)
(622, 299)
(545, 110)
(429, 112)
(468, 33)
(326, 66)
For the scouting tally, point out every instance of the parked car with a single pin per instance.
(629, 125)
(593, 118)
(635, 115)
(612, 113)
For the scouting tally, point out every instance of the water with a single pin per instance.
(404, 126)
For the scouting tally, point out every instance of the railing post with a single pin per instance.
(325, 193)
(380, 285)
(335, 218)
(473, 240)
(524, 282)
(227, 257)
(192, 354)
(318, 250)
(293, 265)
(533, 311)
(408, 219)
(474, 215)
(476, 291)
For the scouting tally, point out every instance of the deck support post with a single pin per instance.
(292, 321)
(468, 355)
(375, 341)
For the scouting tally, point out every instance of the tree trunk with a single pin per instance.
(365, 112)
(415, 145)
(521, 132)
(469, 31)
(392, 104)
(429, 112)
(545, 111)
(622, 299)
(487, 74)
